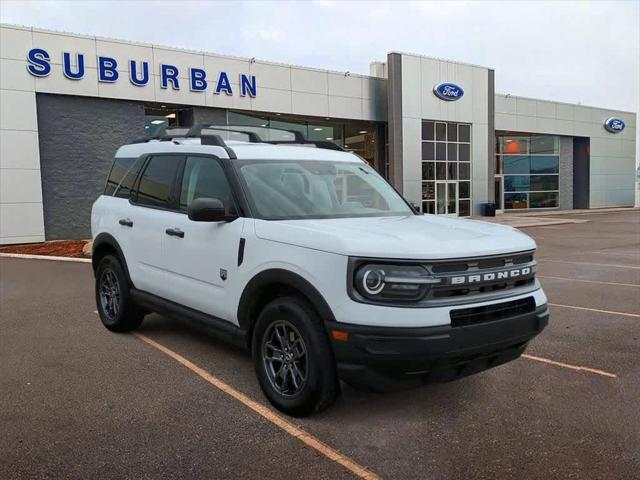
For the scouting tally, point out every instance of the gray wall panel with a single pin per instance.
(566, 173)
(78, 138)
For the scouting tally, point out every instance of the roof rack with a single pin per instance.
(247, 133)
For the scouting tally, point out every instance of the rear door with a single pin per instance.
(201, 261)
(151, 204)
(115, 209)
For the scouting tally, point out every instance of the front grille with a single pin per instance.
(490, 313)
(480, 267)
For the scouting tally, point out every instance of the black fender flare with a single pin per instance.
(278, 276)
(105, 239)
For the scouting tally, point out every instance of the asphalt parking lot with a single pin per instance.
(77, 401)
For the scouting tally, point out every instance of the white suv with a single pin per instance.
(308, 257)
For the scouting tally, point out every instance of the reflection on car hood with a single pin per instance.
(414, 236)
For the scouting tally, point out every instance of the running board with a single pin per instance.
(221, 329)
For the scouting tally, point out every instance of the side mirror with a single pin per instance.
(206, 209)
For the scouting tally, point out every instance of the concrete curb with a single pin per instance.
(45, 257)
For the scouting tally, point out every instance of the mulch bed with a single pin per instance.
(58, 248)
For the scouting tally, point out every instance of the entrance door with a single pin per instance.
(447, 198)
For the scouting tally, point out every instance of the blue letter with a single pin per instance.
(223, 84)
(39, 65)
(66, 66)
(198, 82)
(107, 69)
(169, 72)
(247, 85)
(133, 75)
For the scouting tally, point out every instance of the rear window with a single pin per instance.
(123, 173)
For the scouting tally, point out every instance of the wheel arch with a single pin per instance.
(104, 244)
(270, 284)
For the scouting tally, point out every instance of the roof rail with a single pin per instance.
(253, 135)
(164, 134)
(196, 131)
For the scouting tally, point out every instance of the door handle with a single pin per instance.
(174, 232)
(125, 222)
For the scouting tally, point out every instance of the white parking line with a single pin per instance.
(568, 365)
(589, 281)
(615, 265)
(636, 315)
(267, 413)
(45, 257)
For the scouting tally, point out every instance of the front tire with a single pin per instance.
(116, 309)
(293, 358)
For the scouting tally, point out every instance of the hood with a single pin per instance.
(409, 237)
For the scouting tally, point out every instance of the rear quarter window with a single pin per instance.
(122, 177)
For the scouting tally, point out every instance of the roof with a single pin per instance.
(252, 151)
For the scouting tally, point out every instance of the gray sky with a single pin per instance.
(584, 52)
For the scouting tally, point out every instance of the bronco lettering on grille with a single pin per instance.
(489, 277)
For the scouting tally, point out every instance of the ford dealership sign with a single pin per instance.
(614, 125)
(139, 73)
(448, 91)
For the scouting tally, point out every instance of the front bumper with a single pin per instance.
(387, 358)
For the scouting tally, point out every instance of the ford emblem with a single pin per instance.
(448, 91)
(614, 125)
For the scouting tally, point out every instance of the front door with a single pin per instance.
(201, 261)
(447, 198)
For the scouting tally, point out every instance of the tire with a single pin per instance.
(116, 309)
(309, 383)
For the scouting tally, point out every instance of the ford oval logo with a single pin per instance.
(448, 91)
(614, 125)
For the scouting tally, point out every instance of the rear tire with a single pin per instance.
(116, 309)
(293, 358)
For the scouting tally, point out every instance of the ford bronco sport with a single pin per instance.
(302, 253)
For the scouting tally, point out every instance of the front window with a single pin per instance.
(291, 189)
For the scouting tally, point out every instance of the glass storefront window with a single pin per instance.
(514, 164)
(543, 199)
(428, 151)
(531, 166)
(464, 152)
(514, 145)
(464, 133)
(516, 183)
(545, 144)
(428, 170)
(446, 159)
(464, 171)
(514, 201)
(545, 164)
(428, 131)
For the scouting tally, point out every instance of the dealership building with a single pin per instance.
(435, 128)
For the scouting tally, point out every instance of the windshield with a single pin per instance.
(291, 189)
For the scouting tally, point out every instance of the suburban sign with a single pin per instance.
(448, 91)
(614, 125)
(73, 68)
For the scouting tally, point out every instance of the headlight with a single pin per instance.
(392, 282)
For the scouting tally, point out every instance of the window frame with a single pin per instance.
(133, 198)
(226, 172)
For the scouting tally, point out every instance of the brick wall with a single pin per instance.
(78, 139)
